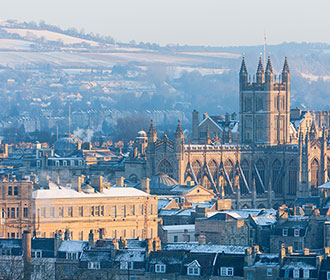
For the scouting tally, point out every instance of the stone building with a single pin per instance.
(224, 228)
(275, 161)
(16, 208)
(109, 211)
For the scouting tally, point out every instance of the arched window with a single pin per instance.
(133, 178)
(165, 167)
(246, 171)
(206, 182)
(315, 176)
(261, 169)
(213, 168)
(196, 166)
(328, 168)
(277, 178)
(229, 167)
(293, 177)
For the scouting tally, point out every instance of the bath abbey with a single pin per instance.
(267, 156)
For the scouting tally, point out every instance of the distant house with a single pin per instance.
(291, 232)
(177, 233)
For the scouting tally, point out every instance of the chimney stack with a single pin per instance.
(157, 244)
(145, 185)
(76, 183)
(201, 238)
(91, 239)
(97, 183)
(120, 181)
(248, 257)
(67, 234)
(150, 246)
(326, 252)
(282, 253)
(27, 254)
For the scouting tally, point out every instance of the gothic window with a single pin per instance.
(206, 183)
(293, 174)
(196, 166)
(259, 123)
(229, 167)
(248, 123)
(259, 104)
(277, 179)
(213, 168)
(165, 167)
(275, 103)
(246, 171)
(328, 168)
(248, 104)
(315, 176)
(261, 169)
(275, 128)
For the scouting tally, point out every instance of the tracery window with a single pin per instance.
(165, 167)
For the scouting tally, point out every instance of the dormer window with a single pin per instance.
(296, 232)
(126, 265)
(72, 255)
(306, 273)
(36, 254)
(296, 273)
(193, 271)
(160, 268)
(94, 265)
(227, 271)
(285, 232)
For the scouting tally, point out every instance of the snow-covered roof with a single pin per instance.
(60, 192)
(265, 220)
(209, 118)
(179, 227)
(325, 186)
(162, 203)
(130, 255)
(72, 246)
(207, 248)
(298, 265)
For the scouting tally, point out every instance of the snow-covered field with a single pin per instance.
(49, 36)
(13, 44)
(89, 59)
(314, 78)
(215, 54)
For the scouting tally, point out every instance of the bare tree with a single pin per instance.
(128, 127)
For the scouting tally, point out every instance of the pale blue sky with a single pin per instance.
(204, 22)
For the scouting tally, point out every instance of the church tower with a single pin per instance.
(264, 106)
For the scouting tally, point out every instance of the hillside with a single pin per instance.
(175, 77)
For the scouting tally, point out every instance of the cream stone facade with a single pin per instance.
(276, 159)
(110, 211)
(16, 208)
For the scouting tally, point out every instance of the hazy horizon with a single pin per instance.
(191, 22)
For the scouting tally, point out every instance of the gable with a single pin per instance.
(198, 190)
(208, 122)
(194, 263)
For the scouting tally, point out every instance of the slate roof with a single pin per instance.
(72, 246)
(205, 260)
(96, 256)
(235, 261)
(195, 247)
(307, 200)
